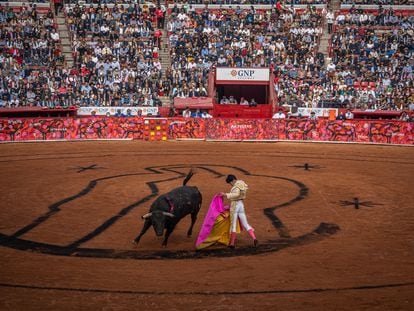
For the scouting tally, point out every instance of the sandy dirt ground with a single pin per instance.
(334, 223)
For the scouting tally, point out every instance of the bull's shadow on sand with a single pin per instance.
(75, 249)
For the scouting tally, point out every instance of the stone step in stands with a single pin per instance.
(63, 31)
(324, 41)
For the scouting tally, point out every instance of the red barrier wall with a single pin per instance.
(187, 128)
(363, 131)
(388, 132)
(71, 128)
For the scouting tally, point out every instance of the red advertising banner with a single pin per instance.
(362, 131)
(242, 129)
(385, 132)
(37, 129)
(71, 128)
(109, 128)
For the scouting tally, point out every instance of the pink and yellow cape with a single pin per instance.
(216, 225)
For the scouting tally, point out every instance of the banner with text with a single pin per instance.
(242, 74)
(117, 111)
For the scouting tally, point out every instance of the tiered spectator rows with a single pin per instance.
(116, 50)
(372, 59)
(30, 57)
(249, 2)
(378, 2)
(286, 40)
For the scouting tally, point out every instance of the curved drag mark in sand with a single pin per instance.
(74, 249)
(211, 293)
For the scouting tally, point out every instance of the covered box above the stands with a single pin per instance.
(193, 103)
(242, 76)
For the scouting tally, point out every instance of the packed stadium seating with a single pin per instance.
(116, 50)
(372, 59)
(30, 58)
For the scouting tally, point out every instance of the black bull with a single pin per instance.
(168, 209)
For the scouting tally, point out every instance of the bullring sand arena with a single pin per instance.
(334, 223)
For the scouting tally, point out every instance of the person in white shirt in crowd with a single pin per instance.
(349, 115)
(279, 115)
(404, 116)
(206, 115)
(224, 100)
(340, 19)
(187, 112)
(331, 67)
(280, 46)
(313, 116)
(54, 35)
(244, 102)
(330, 20)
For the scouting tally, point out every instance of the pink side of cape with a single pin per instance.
(216, 207)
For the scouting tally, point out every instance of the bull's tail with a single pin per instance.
(188, 177)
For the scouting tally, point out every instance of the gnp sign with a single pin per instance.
(242, 74)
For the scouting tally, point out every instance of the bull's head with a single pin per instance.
(158, 219)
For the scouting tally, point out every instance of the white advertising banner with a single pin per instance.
(242, 74)
(112, 111)
(319, 112)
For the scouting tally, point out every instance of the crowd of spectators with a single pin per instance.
(116, 50)
(117, 63)
(371, 65)
(103, 2)
(31, 1)
(378, 2)
(249, 2)
(356, 16)
(233, 101)
(239, 38)
(116, 53)
(29, 44)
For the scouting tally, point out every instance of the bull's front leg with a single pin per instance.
(147, 225)
(193, 220)
(168, 232)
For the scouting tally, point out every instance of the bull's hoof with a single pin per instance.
(135, 243)
(188, 235)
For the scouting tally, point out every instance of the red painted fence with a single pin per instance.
(363, 131)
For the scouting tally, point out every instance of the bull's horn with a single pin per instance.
(146, 216)
(168, 214)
